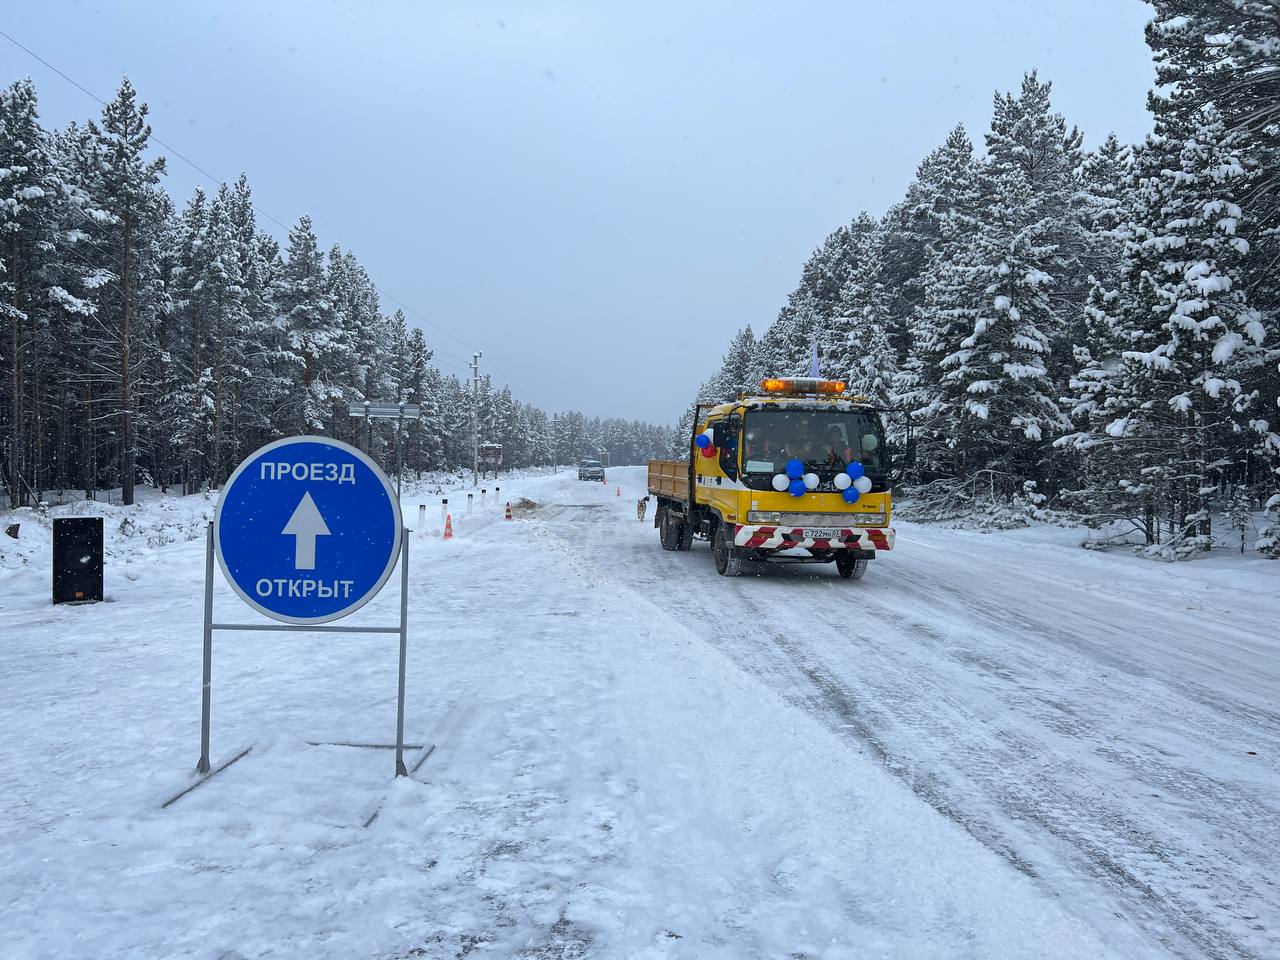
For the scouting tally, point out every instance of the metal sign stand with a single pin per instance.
(202, 766)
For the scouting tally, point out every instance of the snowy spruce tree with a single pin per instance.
(125, 182)
(856, 344)
(1160, 389)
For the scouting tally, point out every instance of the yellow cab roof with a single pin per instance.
(789, 402)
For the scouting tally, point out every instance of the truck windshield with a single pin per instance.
(826, 440)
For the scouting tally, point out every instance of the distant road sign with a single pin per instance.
(307, 529)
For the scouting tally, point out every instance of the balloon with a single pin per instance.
(855, 470)
(702, 440)
(851, 495)
(780, 482)
(708, 452)
(810, 481)
(796, 487)
(862, 484)
(795, 468)
(842, 481)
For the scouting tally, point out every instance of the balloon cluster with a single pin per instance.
(853, 482)
(704, 442)
(795, 481)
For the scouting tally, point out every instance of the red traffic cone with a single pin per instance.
(508, 516)
(448, 526)
(619, 493)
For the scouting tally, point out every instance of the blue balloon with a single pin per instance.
(795, 468)
(797, 488)
(850, 495)
(855, 470)
(702, 440)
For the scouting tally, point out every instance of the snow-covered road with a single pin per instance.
(991, 746)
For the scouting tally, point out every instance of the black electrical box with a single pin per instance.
(77, 559)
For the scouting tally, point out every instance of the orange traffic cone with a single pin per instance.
(448, 526)
(619, 493)
(508, 516)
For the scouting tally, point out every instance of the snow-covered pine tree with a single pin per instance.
(1160, 389)
(1228, 54)
(229, 328)
(911, 229)
(856, 344)
(784, 349)
(947, 310)
(1029, 135)
(31, 294)
(307, 317)
(125, 184)
(736, 368)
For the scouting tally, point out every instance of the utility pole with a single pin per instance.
(555, 440)
(475, 419)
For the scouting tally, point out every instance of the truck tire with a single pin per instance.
(685, 540)
(850, 567)
(728, 557)
(668, 531)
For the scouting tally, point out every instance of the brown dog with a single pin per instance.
(641, 505)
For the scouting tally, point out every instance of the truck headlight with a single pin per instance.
(762, 516)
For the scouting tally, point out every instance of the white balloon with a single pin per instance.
(810, 481)
(862, 484)
(780, 481)
(842, 481)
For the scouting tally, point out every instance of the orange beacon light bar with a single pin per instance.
(802, 385)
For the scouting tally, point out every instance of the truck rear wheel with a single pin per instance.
(685, 540)
(850, 567)
(668, 531)
(728, 557)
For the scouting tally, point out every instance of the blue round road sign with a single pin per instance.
(307, 529)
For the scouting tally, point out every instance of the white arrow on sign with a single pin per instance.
(305, 525)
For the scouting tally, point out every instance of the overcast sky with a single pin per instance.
(595, 194)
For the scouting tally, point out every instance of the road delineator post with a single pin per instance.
(508, 516)
(422, 516)
(448, 527)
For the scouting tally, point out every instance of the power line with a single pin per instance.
(460, 365)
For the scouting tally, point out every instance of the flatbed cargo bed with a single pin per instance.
(669, 479)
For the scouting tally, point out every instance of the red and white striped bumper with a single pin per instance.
(755, 537)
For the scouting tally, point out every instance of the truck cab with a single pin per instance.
(799, 473)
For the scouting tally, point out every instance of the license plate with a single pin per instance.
(821, 533)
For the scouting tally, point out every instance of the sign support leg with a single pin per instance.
(401, 770)
(202, 766)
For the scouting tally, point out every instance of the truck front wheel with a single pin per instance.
(728, 558)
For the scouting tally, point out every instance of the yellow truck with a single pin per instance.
(799, 473)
